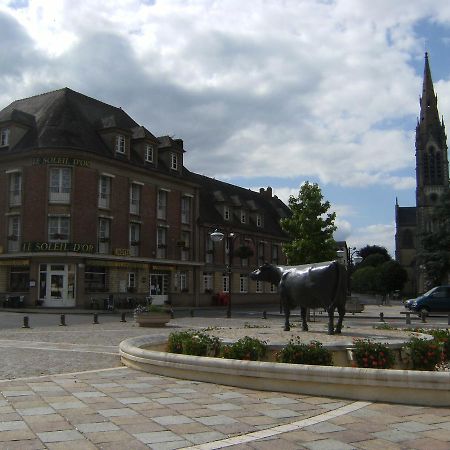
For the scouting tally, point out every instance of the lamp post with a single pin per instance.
(217, 236)
(352, 257)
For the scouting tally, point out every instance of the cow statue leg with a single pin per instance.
(303, 312)
(287, 313)
(341, 312)
(331, 319)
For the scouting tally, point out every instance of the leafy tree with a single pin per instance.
(373, 260)
(392, 277)
(435, 254)
(368, 250)
(365, 280)
(310, 227)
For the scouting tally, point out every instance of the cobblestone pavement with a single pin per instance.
(70, 392)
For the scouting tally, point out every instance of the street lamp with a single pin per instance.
(352, 257)
(217, 236)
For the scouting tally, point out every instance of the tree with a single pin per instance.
(310, 227)
(435, 254)
(368, 250)
(392, 277)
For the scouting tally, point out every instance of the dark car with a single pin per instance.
(435, 300)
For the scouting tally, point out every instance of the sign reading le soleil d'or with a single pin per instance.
(60, 160)
(57, 247)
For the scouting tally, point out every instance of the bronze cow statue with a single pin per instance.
(319, 285)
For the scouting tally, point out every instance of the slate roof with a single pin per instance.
(214, 192)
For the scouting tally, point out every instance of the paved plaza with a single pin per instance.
(63, 387)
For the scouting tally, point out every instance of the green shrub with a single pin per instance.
(374, 355)
(248, 348)
(442, 336)
(192, 342)
(424, 355)
(297, 352)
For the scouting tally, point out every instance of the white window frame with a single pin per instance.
(121, 144)
(259, 220)
(174, 161)
(259, 287)
(15, 188)
(135, 198)
(149, 153)
(131, 280)
(104, 235)
(104, 191)
(185, 250)
(58, 228)
(225, 283)
(14, 233)
(208, 282)
(162, 204)
(60, 184)
(243, 283)
(134, 238)
(183, 277)
(4, 137)
(185, 209)
(161, 242)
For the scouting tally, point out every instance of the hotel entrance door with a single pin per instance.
(57, 285)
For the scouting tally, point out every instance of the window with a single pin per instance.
(161, 240)
(135, 195)
(58, 228)
(273, 288)
(162, 205)
(19, 279)
(183, 282)
(186, 239)
(95, 279)
(209, 247)
(60, 185)
(104, 228)
(104, 191)
(243, 217)
(131, 280)
(259, 287)
(15, 189)
(185, 210)
(4, 137)
(13, 233)
(149, 153)
(226, 213)
(135, 229)
(259, 220)
(174, 161)
(260, 253)
(208, 282)
(225, 283)
(274, 254)
(120, 144)
(243, 283)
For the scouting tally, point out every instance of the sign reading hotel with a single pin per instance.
(60, 160)
(57, 247)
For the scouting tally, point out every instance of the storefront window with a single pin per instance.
(95, 279)
(19, 279)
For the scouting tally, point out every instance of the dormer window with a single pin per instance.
(149, 153)
(120, 144)
(174, 161)
(4, 137)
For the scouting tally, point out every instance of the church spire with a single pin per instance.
(429, 115)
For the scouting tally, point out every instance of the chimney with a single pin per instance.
(266, 193)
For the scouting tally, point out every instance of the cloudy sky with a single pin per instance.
(263, 92)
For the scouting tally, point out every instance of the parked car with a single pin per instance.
(435, 300)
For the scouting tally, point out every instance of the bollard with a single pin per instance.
(172, 315)
(95, 322)
(62, 322)
(25, 322)
(423, 316)
(408, 318)
(381, 317)
(123, 317)
(264, 315)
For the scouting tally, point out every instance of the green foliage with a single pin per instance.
(248, 348)
(373, 260)
(368, 250)
(310, 228)
(296, 352)
(424, 355)
(443, 337)
(192, 342)
(392, 277)
(435, 256)
(365, 280)
(374, 355)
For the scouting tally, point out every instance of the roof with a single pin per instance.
(406, 216)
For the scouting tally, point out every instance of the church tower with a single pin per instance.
(432, 180)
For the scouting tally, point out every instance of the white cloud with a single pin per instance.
(381, 234)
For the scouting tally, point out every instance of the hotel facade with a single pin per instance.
(99, 212)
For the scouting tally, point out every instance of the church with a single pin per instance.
(432, 180)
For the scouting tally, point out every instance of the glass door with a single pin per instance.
(57, 285)
(159, 288)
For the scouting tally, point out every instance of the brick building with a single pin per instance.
(94, 205)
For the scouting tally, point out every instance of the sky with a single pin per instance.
(262, 92)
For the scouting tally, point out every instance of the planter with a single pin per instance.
(152, 319)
